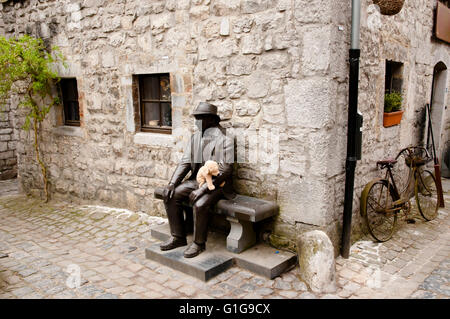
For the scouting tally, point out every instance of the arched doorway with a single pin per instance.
(438, 107)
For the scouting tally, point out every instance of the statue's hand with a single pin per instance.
(168, 192)
(194, 195)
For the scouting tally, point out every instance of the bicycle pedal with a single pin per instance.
(410, 221)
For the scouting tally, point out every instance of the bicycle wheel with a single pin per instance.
(377, 209)
(425, 191)
(402, 173)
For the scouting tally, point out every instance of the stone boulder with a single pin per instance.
(316, 261)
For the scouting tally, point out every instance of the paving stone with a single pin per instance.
(153, 295)
(55, 290)
(33, 295)
(116, 290)
(330, 296)
(257, 281)
(21, 292)
(299, 286)
(12, 280)
(217, 293)
(423, 294)
(248, 287)
(130, 295)
(90, 291)
(307, 295)
(344, 293)
(169, 293)
(187, 290)
(27, 272)
(66, 294)
(134, 267)
(173, 284)
(281, 284)
(288, 294)
(127, 274)
(264, 291)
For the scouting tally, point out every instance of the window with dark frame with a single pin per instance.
(69, 94)
(155, 103)
(394, 77)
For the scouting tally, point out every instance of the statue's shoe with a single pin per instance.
(193, 250)
(173, 243)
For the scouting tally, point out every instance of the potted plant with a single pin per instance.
(392, 109)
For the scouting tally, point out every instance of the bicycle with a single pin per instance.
(381, 199)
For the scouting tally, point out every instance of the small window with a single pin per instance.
(69, 93)
(155, 103)
(394, 77)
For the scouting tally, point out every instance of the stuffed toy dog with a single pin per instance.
(206, 172)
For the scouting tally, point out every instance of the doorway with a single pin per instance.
(438, 107)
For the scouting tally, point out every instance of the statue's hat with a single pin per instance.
(204, 108)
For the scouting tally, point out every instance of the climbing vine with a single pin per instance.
(27, 68)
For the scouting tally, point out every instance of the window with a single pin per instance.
(155, 104)
(394, 80)
(69, 94)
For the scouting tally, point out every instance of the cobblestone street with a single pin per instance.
(43, 245)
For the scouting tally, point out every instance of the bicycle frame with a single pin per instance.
(399, 198)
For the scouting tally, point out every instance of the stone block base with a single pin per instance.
(260, 259)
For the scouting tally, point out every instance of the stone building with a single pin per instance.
(270, 66)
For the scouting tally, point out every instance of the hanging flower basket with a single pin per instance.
(389, 7)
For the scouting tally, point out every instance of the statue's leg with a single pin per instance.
(201, 210)
(174, 208)
(188, 219)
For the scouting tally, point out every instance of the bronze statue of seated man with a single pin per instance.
(208, 143)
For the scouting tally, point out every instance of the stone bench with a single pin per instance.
(241, 212)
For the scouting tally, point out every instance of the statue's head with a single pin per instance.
(206, 116)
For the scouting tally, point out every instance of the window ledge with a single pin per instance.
(68, 131)
(154, 139)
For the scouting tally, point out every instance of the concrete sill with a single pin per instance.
(154, 139)
(68, 131)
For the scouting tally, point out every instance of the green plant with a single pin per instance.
(26, 67)
(392, 102)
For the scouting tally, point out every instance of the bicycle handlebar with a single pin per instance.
(411, 149)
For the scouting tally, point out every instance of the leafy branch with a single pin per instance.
(27, 68)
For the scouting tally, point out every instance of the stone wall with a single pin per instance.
(279, 66)
(8, 141)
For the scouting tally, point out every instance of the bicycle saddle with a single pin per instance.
(387, 162)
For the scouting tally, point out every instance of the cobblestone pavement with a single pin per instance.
(42, 246)
(414, 263)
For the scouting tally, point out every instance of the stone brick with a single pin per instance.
(312, 104)
(6, 131)
(3, 146)
(6, 155)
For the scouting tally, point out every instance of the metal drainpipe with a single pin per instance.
(350, 164)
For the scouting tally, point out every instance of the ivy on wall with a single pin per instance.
(27, 68)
